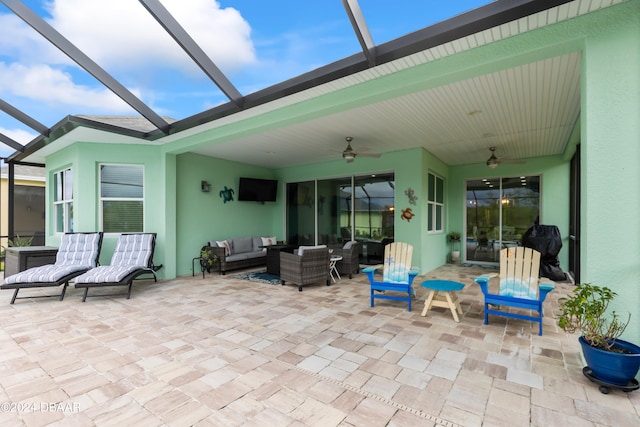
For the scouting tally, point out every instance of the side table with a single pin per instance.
(333, 271)
(447, 299)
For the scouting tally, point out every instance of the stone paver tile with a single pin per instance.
(443, 369)
(603, 415)
(285, 400)
(188, 414)
(381, 386)
(268, 417)
(553, 401)
(413, 378)
(414, 363)
(459, 416)
(408, 419)
(325, 392)
(467, 400)
(314, 364)
(167, 401)
(224, 395)
(315, 413)
(525, 378)
(371, 413)
(541, 417)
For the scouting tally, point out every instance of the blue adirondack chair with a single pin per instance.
(519, 288)
(397, 274)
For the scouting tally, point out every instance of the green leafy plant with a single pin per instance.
(21, 241)
(586, 310)
(454, 235)
(207, 257)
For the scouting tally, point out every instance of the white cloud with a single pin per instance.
(121, 34)
(18, 135)
(123, 38)
(22, 43)
(54, 87)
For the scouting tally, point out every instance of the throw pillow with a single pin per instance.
(224, 244)
(348, 245)
(268, 241)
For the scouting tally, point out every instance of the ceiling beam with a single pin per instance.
(24, 118)
(359, 25)
(180, 35)
(11, 143)
(69, 49)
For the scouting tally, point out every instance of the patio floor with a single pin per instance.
(221, 351)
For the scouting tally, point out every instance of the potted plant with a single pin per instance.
(610, 360)
(207, 258)
(454, 236)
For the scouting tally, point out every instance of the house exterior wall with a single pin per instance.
(202, 217)
(84, 158)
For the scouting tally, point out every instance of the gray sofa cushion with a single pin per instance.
(241, 245)
(245, 255)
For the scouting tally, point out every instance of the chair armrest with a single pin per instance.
(546, 286)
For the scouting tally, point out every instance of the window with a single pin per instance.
(121, 198)
(63, 201)
(435, 210)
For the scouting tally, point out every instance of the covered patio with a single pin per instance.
(224, 351)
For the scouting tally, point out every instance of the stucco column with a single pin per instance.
(610, 152)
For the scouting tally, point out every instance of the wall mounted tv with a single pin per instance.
(257, 190)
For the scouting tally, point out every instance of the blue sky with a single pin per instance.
(256, 43)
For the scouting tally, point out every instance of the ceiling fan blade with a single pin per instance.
(374, 155)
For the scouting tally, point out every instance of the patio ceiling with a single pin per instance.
(526, 111)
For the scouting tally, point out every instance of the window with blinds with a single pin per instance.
(122, 198)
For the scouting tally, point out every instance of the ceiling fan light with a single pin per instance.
(348, 156)
(492, 163)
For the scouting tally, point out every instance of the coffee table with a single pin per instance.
(447, 298)
(273, 257)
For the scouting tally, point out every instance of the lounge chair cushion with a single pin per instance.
(78, 249)
(44, 274)
(107, 274)
(77, 252)
(133, 249)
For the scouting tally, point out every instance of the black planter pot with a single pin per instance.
(616, 369)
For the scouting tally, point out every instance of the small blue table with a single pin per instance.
(447, 299)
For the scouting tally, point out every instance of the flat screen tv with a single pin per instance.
(257, 190)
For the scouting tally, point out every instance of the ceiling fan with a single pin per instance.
(349, 154)
(493, 161)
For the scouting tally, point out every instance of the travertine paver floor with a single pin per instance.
(227, 352)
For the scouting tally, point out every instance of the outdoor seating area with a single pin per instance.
(188, 352)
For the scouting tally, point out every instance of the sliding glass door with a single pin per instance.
(333, 211)
(498, 212)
